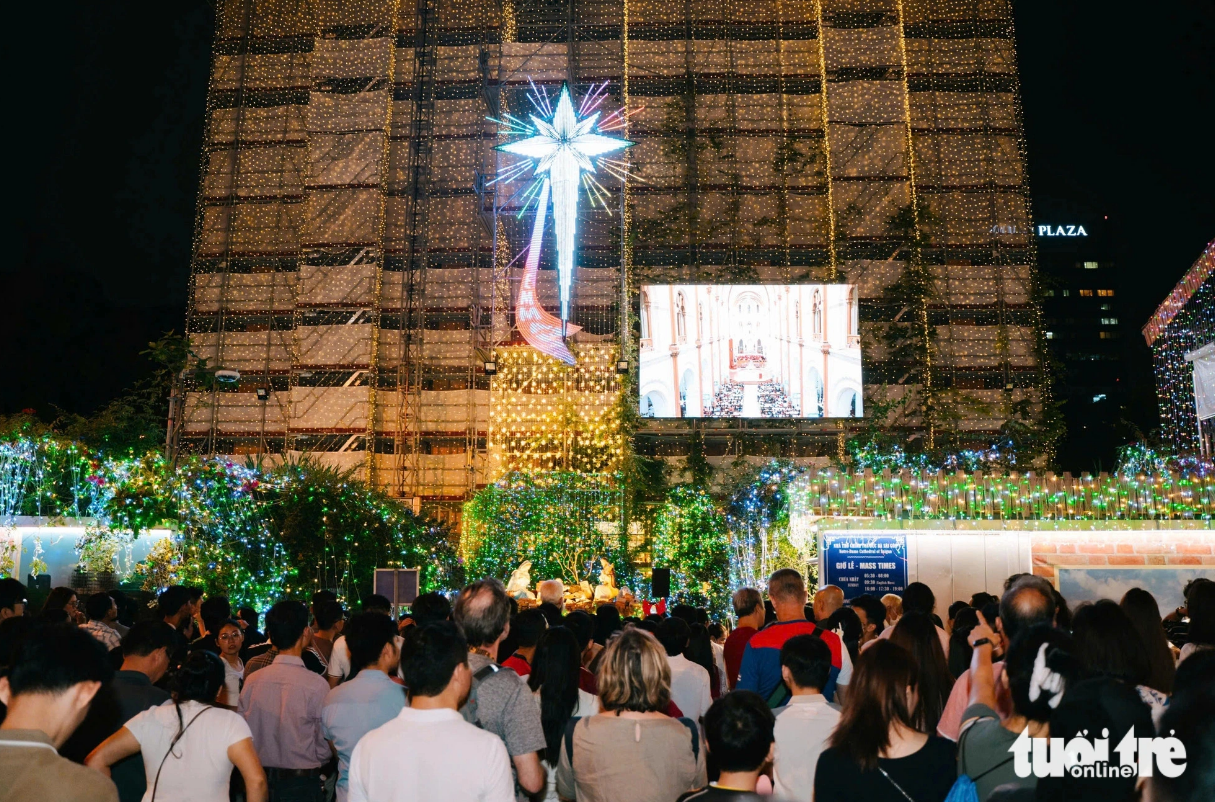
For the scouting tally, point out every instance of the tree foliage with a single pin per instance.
(562, 522)
(691, 539)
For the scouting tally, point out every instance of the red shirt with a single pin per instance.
(519, 664)
(587, 682)
(734, 647)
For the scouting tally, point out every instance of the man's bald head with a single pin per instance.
(483, 611)
(1029, 601)
(552, 591)
(828, 599)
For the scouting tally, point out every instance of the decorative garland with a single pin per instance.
(259, 533)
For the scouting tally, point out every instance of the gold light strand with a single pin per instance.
(822, 73)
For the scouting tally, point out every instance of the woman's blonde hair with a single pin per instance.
(894, 607)
(634, 673)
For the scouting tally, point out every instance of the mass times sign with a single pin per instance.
(860, 564)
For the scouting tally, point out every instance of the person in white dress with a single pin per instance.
(189, 745)
(230, 639)
(554, 683)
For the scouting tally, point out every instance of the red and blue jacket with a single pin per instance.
(761, 659)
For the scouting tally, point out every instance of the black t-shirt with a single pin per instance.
(925, 776)
(712, 793)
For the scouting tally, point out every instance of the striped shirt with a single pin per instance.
(761, 659)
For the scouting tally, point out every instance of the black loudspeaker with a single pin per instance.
(660, 583)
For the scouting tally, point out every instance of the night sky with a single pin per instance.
(105, 125)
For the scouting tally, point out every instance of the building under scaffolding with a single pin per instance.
(355, 261)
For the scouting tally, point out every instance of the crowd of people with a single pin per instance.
(823, 698)
(774, 401)
(727, 401)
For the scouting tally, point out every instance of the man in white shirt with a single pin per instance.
(805, 723)
(429, 751)
(689, 681)
(338, 668)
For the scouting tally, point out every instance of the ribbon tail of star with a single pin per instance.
(563, 147)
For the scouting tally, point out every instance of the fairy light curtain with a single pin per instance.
(1180, 334)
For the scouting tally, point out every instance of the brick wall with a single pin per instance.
(1137, 547)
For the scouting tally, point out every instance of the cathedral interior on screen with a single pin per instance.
(750, 351)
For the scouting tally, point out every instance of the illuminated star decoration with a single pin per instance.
(563, 151)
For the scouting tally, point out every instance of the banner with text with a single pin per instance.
(866, 564)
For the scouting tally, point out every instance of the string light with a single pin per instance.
(1185, 322)
(255, 534)
(690, 537)
(545, 415)
(341, 264)
(562, 521)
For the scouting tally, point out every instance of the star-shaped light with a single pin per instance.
(564, 147)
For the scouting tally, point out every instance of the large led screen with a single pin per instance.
(750, 351)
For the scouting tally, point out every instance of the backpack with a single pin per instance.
(687, 722)
(469, 711)
(964, 788)
(780, 694)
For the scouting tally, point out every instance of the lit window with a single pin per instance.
(1090, 265)
(1105, 293)
(1050, 335)
(1087, 293)
(1066, 293)
(1106, 307)
(1049, 293)
(1109, 321)
(1108, 335)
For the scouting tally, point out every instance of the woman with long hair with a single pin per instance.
(876, 753)
(1200, 605)
(632, 749)
(1140, 606)
(959, 641)
(700, 652)
(917, 633)
(190, 746)
(554, 683)
(1107, 644)
(61, 599)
